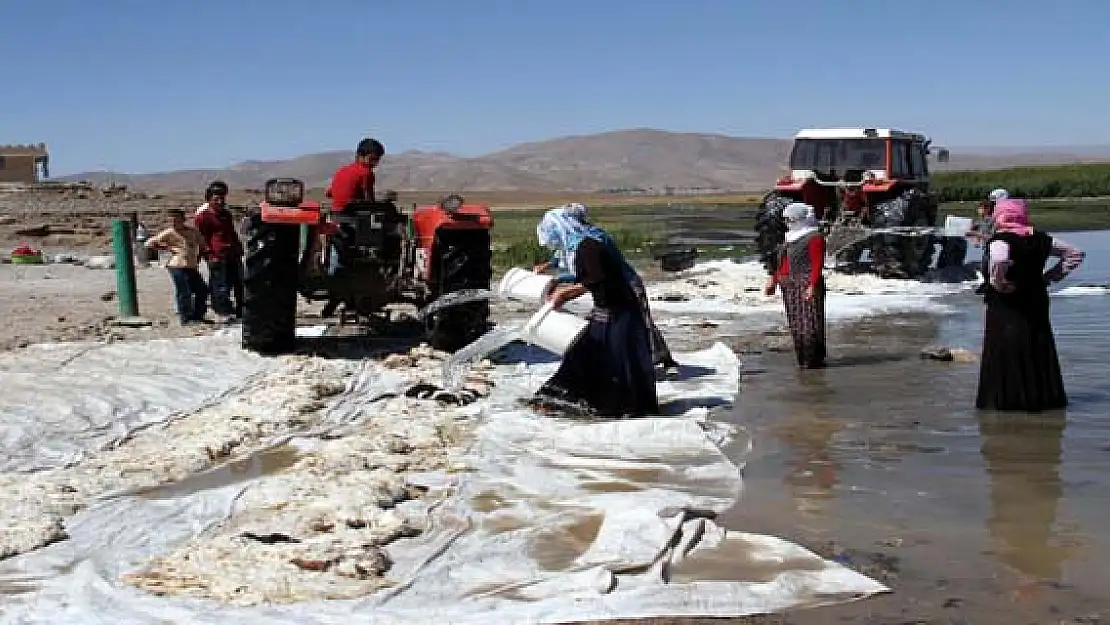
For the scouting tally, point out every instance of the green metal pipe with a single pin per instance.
(125, 268)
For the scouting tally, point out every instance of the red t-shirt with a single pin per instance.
(352, 183)
(218, 229)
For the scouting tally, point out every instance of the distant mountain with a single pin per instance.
(624, 159)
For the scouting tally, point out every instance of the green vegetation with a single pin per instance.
(1051, 215)
(636, 228)
(1055, 181)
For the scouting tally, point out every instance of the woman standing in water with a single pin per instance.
(609, 369)
(802, 258)
(1019, 369)
(580, 226)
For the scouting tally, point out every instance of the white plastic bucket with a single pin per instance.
(553, 330)
(956, 226)
(526, 286)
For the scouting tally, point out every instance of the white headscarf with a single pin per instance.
(801, 219)
(578, 211)
(999, 195)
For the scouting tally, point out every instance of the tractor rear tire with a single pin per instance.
(770, 228)
(464, 264)
(953, 252)
(902, 255)
(270, 287)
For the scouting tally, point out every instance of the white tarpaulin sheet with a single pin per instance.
(60, 401)
(552, 520)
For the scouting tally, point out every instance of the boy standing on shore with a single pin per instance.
(224, 253)
(185, 244)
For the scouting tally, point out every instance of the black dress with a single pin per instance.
(1019, 369)
(609, 370)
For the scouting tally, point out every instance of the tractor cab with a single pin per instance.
(870, 188)
(851, 168)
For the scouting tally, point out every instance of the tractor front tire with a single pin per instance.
(270, 287)
(770, 228)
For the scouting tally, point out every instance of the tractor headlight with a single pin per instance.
(284, 192)
(452, 203)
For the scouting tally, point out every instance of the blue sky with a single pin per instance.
(144, 85)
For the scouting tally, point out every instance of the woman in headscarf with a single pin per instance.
(801, 260)
(579, 226)
(609, 369)
(1019, 369)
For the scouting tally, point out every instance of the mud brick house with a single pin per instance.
(21, 163)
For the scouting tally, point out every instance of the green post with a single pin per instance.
(125, 268)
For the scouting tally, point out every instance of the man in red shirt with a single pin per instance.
(225, 251)
(354, 182)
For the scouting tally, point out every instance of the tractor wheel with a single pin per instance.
(770, 228)
(465, 264)
(455, 327)
(909, 209)
(953, 252)
(270, 287)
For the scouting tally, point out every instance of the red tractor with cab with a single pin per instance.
(360, 260)
(870, 189)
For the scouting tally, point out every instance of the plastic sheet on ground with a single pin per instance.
(60, 401)
(556, 520)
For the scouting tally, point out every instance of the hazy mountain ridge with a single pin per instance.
(624, 159)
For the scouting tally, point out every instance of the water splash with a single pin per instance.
(464, 296)
(459, 363)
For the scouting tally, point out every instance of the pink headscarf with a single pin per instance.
(1011, 215)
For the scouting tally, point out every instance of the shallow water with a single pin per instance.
(258, 464)
(994, 517)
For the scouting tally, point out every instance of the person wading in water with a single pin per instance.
(801, 260)
(1020, 369)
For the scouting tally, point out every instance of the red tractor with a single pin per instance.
(870, 188)
(360, 260)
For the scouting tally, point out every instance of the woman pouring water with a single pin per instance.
(609, 370)
(802, 258)
(571, 223)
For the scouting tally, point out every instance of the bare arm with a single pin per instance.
(157, 241)
(566, 292)
(1070, 257)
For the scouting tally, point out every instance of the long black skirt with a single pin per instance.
(660, 352)
(1019, 370)
(608, 371)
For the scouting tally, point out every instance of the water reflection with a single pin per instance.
(1022, 457)
(812, 470)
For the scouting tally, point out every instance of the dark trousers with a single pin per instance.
(191, 294)
(226, 277)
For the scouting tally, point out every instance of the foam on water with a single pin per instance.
(1082, 290)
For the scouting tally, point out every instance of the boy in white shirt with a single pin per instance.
(185, 245)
